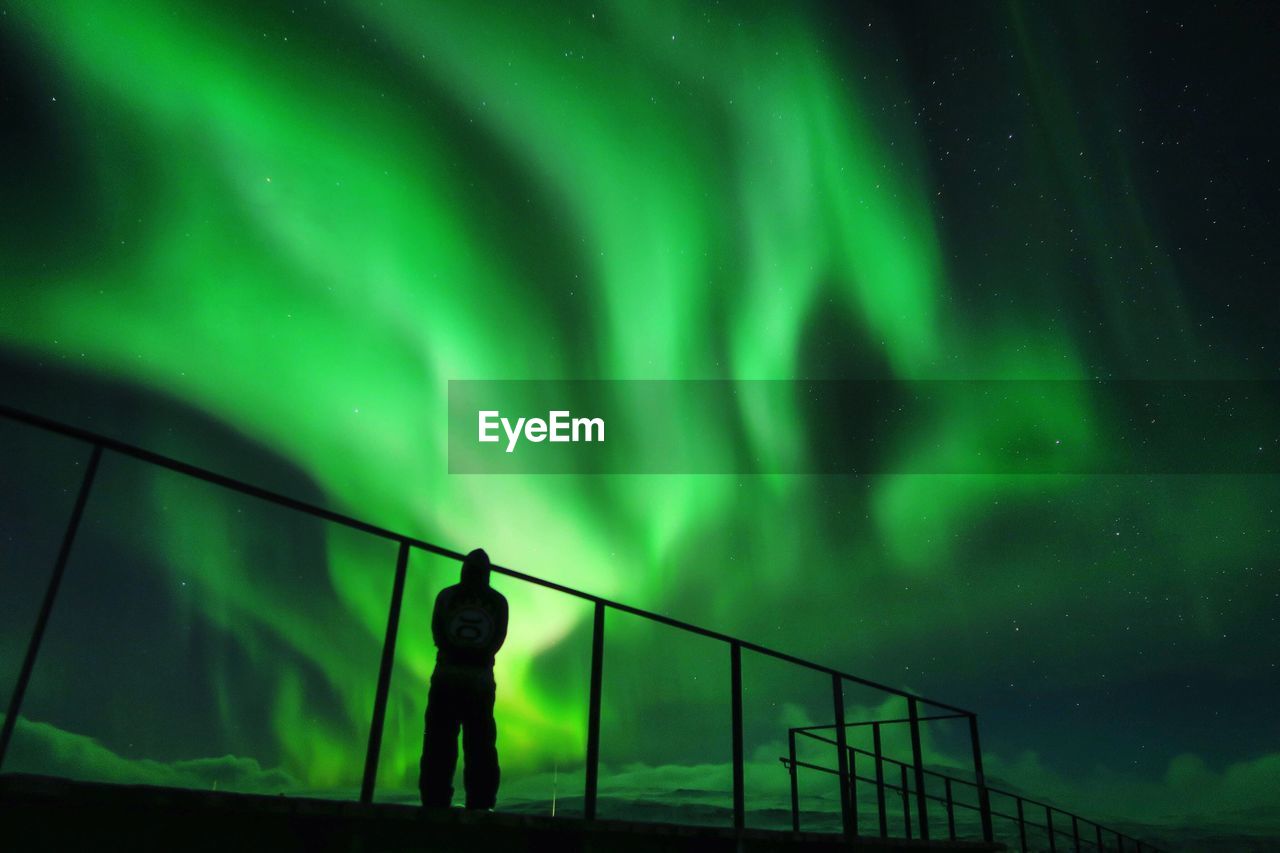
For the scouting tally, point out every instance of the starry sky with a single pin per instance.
(262, 237)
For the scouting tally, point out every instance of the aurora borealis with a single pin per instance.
(263, 238)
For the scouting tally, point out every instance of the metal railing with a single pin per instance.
(950, 803)
(101, 444)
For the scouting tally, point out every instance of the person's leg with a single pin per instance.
(480, 775)
(439, 744)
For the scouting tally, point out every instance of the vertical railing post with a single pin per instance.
(853, 786)
(917, 760)
(848, 819)
(879, 758)
(1097, 835)
(1022, 828)
(1075, 832)
(1119, 843)
(951, 810)
(374, 749)
(593, 714)
(1048, 823)
(739, 791)
(906, 803)
(795, 782)
(980, 779)
(46, 607)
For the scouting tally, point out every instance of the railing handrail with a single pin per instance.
(970, 806)
(807, 732)
(849, 725)
(200, 473)
(938, 773)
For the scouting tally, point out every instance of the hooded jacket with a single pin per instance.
(469, 621)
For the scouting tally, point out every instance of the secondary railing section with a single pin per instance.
(846, 755)
(1072, 832)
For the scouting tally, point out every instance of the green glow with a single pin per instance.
(307, 243)
(288, 254)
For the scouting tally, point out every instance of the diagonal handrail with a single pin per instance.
(199, 473)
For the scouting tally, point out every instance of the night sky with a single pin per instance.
(263, 237)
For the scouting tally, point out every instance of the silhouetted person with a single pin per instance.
(469, 623)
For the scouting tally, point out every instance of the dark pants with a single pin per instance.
(460, 697)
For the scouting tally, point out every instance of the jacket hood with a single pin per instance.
(475, 568)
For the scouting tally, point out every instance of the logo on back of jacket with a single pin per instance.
(469, 623)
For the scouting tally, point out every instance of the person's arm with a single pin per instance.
(500, 632)
(437, 617)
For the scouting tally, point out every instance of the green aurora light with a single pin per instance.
(302, 224)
